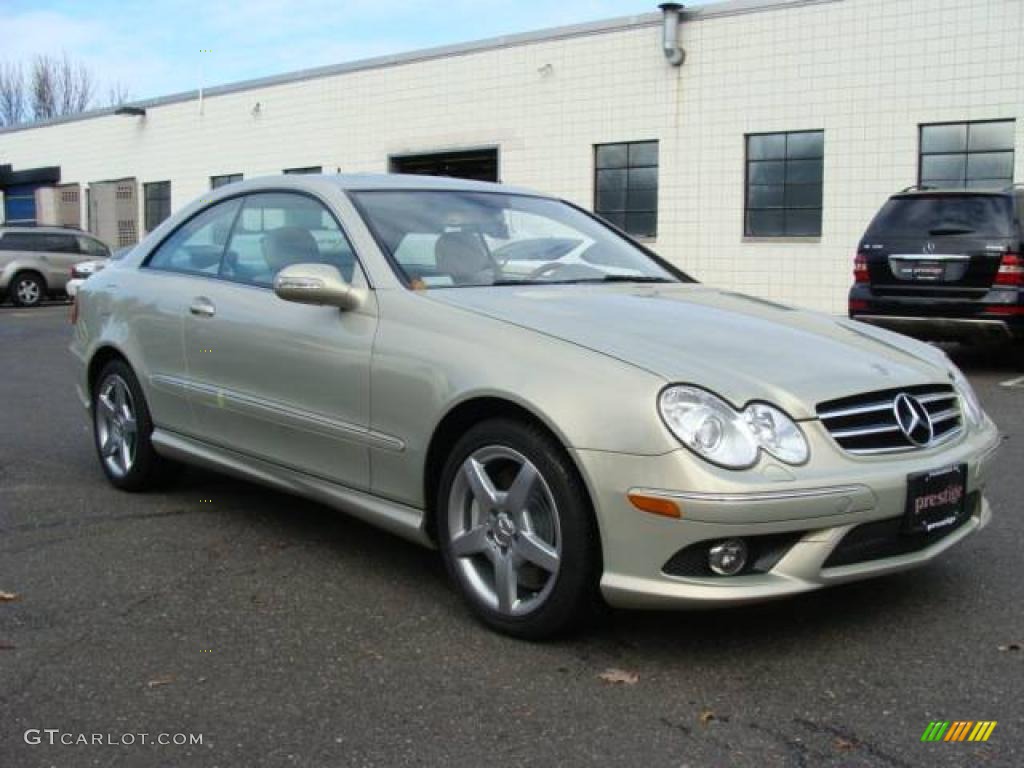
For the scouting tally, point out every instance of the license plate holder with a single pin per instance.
(935, 499)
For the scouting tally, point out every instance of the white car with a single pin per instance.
(84, 270)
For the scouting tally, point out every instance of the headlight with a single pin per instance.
(968, 397)
(716, 431)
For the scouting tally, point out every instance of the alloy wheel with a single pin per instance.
(28, 292)
(116, 425)
(504, 530)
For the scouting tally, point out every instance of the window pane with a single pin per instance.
(642, 224)
(770, 172)
(617, 218)
(991, 165)
(989, 136)
(987, 183)
(611, 190)
(944, 138)
(803, 223)
(277, 230)
(805, 144)
(943, 167)
(643, 178)
(612, 155)
(766, 197)
(197, 245)
(803, 171)
(803, 196)
(642, 200)
(643, 153)
(768, 146)
(765, 223)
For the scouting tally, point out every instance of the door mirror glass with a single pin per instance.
(320, 284)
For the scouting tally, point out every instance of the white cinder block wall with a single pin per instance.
(867, 72)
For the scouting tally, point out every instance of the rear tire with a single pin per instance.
(122, 431)
(27, 289)
(517, 531)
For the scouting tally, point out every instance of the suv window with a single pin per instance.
(92, 247)
(21, 241)
(277, 229)
(924, 216)
(60, 243)
(197, 245)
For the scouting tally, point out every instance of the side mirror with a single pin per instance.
(317, 284)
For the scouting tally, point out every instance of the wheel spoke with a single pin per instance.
(506, 583)
(519, 492)
(126, 456)
(535, 550)
(483, 489)
(107, 407)
(109, 447)
(472, 542)
(129, 427)
(119, 397)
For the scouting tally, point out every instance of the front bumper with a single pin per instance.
(813, 510)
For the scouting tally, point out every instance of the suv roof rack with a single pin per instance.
(916, 188)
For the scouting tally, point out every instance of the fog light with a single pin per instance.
(727, 558)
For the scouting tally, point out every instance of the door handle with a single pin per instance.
(202, 307)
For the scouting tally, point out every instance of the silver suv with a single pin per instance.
(36, 262)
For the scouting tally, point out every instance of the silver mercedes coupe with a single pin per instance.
(566, 416)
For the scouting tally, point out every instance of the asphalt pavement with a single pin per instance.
(284, 633)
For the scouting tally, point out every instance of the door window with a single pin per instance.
(197, 245)
(92, 247)
(278, 229)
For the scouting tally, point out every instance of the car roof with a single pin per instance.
(45, 230)
(352, 182)
(958, 192)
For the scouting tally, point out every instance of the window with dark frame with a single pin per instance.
(967, 155)
(626, 186)
(784, 183)
(220, 181)
(309, 169)
(157, 197)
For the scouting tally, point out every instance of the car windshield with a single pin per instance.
(935, 215)
(447, 239)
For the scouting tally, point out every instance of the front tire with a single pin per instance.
(27, 290)
(517, 532)
(122, 430)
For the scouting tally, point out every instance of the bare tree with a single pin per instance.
(118, 94)
(59, 86)
(12, 94)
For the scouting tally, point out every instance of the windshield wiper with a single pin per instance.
(631, 279)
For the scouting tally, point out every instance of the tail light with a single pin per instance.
(860, 268)
(1005, 310)
(1011, 270)
(858, 305)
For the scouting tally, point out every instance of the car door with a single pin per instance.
(180, 267)
(284, 382)
(60, 253)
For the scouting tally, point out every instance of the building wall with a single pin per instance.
(867, 72)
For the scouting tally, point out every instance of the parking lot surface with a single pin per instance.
(286, 633)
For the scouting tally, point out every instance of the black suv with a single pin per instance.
(944, 264)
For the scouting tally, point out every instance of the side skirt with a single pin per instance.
(405, 521)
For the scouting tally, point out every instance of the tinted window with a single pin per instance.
(197, 245)
(220, 181)
(626, 186)
(970, 155)
(92, 247)
(784, 184)
(927, 216)
(21, 241)
(276, 229)
(60, 244)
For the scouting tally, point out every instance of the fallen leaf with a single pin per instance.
(843, 745)
(1010, 647)
(162, 680)
(706, 716)
(616, 676)
(9, 597)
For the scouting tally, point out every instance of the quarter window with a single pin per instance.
(197, 246)
(784, 182)
(220, 181)
(158, 203)
(968, 155)
(275, 230)
(92, 247)
(626, 186)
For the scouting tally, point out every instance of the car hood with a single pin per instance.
(741, 347)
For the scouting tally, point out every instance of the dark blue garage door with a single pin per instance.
(20, 204)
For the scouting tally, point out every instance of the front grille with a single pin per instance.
(885, 538)
(866, 424)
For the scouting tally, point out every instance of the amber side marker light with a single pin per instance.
(654, 505)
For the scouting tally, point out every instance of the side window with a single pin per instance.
(21, 241)
(93, 247)
(277, 229)
(61, 244)
(197, 245)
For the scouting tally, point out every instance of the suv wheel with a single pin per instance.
(27, 290)
(516, 530)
